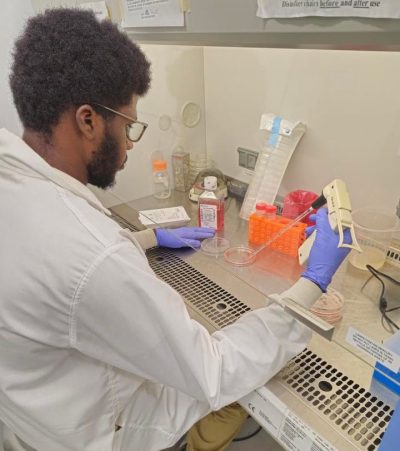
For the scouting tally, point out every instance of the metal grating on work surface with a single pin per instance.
(205, 296)
(343, 403)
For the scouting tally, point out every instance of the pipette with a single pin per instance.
(336, 197)
(243, 256)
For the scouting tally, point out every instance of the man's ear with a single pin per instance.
(89, 123)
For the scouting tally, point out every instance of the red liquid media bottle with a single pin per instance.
(211, 205)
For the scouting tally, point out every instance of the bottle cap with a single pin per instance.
(270, 208)
(210, 182)
(159, 165)
(261, 206)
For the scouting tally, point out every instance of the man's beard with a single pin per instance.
(104, 164)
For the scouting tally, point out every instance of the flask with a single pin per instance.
(211, 205)
(161, 185)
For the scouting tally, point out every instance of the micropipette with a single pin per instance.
(243, 256)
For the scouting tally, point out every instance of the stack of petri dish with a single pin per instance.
(329, 306)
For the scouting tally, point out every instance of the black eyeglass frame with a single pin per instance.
(128, 126)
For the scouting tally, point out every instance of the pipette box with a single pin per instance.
(164, 217)
(262, 229)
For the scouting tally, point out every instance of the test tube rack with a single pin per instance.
(262, 229)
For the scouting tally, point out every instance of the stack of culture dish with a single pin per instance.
(329, 306)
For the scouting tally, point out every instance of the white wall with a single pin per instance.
(350, 102)
(12, 19)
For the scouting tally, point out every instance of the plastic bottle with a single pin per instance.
(161, 185)
(211, 205)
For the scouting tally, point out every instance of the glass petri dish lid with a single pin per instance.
(214, 246)
(240, 255)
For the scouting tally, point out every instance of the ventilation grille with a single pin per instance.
(359, 415)
(208, 298)
(349, 408)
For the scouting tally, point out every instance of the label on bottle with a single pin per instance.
(208, 215)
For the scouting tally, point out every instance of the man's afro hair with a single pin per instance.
(66, 58)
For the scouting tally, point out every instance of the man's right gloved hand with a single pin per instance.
(325, 257)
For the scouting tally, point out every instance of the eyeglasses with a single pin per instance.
(135, 130)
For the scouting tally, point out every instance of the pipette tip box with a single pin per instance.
(164, 217)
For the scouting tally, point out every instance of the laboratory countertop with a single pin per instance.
(273, 272)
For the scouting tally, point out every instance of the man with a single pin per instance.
(97, 353)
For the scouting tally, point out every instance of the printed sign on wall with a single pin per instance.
(152, 13)
(329, 8)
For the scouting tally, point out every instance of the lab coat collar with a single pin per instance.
(16, 154)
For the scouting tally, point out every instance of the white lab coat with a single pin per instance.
(91, 338)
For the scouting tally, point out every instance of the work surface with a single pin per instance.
(249, 286)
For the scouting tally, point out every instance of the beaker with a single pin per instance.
(374, 228)
(296, 202)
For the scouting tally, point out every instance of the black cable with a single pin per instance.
(246, 437)
(390, 324)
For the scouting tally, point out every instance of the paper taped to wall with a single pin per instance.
(384, 9)
(152, 13)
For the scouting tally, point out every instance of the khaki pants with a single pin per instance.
(216, 431)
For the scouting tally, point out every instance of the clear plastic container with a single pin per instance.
(161, 184)
(374, 228)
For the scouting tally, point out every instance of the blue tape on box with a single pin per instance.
(276, 126)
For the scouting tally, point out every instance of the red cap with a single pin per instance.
(270, 208)
(261, 206)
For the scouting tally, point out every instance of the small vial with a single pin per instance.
(161, 185)
(260, 208)
(270, 211)
(211, 205)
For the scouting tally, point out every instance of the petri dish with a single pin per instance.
(329, 306)
(214, 246)
(190, 114)
(240, 255)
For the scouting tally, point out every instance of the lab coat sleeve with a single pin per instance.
(146, 238)
(125, 316)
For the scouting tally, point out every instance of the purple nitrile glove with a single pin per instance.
(183, 236)
(325, 257)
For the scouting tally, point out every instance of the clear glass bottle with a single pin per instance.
(161, 185)
(211, 205)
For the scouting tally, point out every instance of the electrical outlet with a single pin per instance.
(247, 158)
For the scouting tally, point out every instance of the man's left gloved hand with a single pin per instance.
(183, 236)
